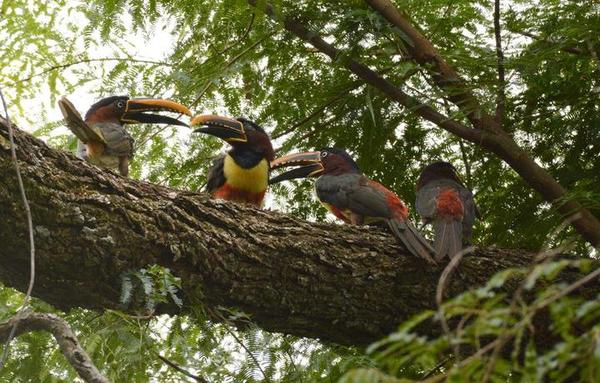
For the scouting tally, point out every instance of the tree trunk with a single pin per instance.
(343, 284)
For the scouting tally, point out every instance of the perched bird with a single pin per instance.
(448, 205)
(352, 197)
(103, 140)
(242, 174)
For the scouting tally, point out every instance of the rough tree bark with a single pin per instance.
(338, 283)
(485, 131)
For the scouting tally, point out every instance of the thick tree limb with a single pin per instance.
(486, 132)
(338, 283)
(444, 75)
(65, 337)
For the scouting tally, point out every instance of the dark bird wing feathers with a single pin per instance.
(352, 191)
(426, 201)
(216, 174)
(119, 142)
(450, 234)
(76, 124)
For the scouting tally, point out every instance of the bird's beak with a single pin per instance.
(226, 128)
(134, 111)
(309, 163)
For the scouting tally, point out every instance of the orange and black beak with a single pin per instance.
(309, 163)
(136, 107)
(225, 128)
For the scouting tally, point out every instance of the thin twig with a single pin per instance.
(321, 109)
(206, 87)
(593, 52)
(180, 369)
(545, 255)
(567, 49)
(311, 133)
(467, 164)
(439, 296)
(242, 38)
(20, 312)
(436, 368)
(239, 341)
(84, 61)
(209, 83)
(501, 93)
(352, 86)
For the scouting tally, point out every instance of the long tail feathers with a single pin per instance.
(76, 124)
(412, 239)
(448, 238)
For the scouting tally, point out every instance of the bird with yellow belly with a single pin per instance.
(242, 174)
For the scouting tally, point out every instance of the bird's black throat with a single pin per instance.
(247, 158)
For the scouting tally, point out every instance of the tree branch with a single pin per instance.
(444, 75)
(375, 79)
(288, 275)
(65, 337)
(353, 85)
(567, 49)
(85, 61)
(180, 369)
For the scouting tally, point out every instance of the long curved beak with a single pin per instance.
(225, 128)
(136, 108)
(309, 163)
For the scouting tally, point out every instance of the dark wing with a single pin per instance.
(370, 200)
(426, 201)
(76, 124)
(216, 174)
(119, 142)
(352, 191)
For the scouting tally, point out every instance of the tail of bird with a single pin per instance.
(447, 237)
(76, 124)
(412, 239)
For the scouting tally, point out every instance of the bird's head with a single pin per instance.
(125, 110)
(332, 161)
(240, 133)
(438, 170)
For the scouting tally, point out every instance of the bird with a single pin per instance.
(241, 174)
(102, 138)
(352, 197)
(445, 202)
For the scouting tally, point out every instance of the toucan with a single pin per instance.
(352, 197)
(102, 138)
(242, 174)
(445, 202)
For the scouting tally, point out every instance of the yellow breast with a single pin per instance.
(254, 180)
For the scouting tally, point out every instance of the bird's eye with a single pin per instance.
(120, 104)
(324, 154)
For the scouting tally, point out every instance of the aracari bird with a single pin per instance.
(102, 138)
(242, 174)
(448, 205)
(352, 197)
